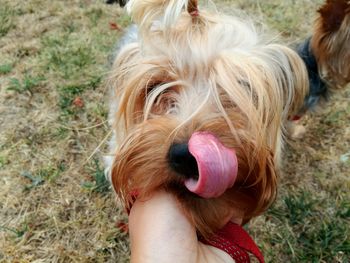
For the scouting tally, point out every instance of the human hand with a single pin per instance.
(160, 232)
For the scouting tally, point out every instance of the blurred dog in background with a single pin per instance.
(327, 52)
(326, 55)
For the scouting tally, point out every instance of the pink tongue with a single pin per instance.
(217, 165)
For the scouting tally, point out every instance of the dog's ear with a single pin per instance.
(260, 187)
(333, 14)
(290, 74)
(267, 185)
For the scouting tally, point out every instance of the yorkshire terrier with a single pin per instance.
(326, 53)
(199, 106)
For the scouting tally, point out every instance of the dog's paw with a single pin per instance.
(296, 131)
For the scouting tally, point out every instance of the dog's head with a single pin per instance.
(200, 106)
(331, 42)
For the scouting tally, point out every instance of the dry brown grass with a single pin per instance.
(66, 44)
(53, 53)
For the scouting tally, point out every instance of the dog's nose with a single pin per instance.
(182, 161)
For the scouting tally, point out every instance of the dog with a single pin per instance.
(326, 53)
(200, 101)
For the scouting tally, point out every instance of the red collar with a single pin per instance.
(235, 241)
(295, 118)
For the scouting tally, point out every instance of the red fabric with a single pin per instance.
(296, 118)
(235, 241)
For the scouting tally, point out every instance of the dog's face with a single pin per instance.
(199, 111)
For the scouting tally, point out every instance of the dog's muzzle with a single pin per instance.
(209, 167)
(182, 161)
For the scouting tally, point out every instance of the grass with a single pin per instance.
(71, 92)
(6, 19)
(26, 85)
(100, 184)
(5, 68)
(314, 235)
(55, 203)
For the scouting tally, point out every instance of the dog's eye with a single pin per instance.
(161, 97)
(159, 89)
(152, 86)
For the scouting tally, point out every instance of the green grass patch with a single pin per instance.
(337, 118)
(18, 232)
(324, 241)
(26, 85)
(45, 174)
(311, 228)
(343, 210)
(101, 111)
(61, 133)
(69, 93)
(51, 173)
(100, 184)
(124, 20)
(5, 68)
(35, 180)
(94, 14)
(6, 19)
(3, 161)
(66, 56)
(345, 158)
(298, 207)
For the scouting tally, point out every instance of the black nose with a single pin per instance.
(182, 161)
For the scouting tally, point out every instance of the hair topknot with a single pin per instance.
(164, 12)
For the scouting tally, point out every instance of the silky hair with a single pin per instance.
(202, 72)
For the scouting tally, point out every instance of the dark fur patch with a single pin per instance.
(318, 88)
(122, 3)
(333, 13)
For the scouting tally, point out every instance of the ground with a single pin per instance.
(55, 204)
